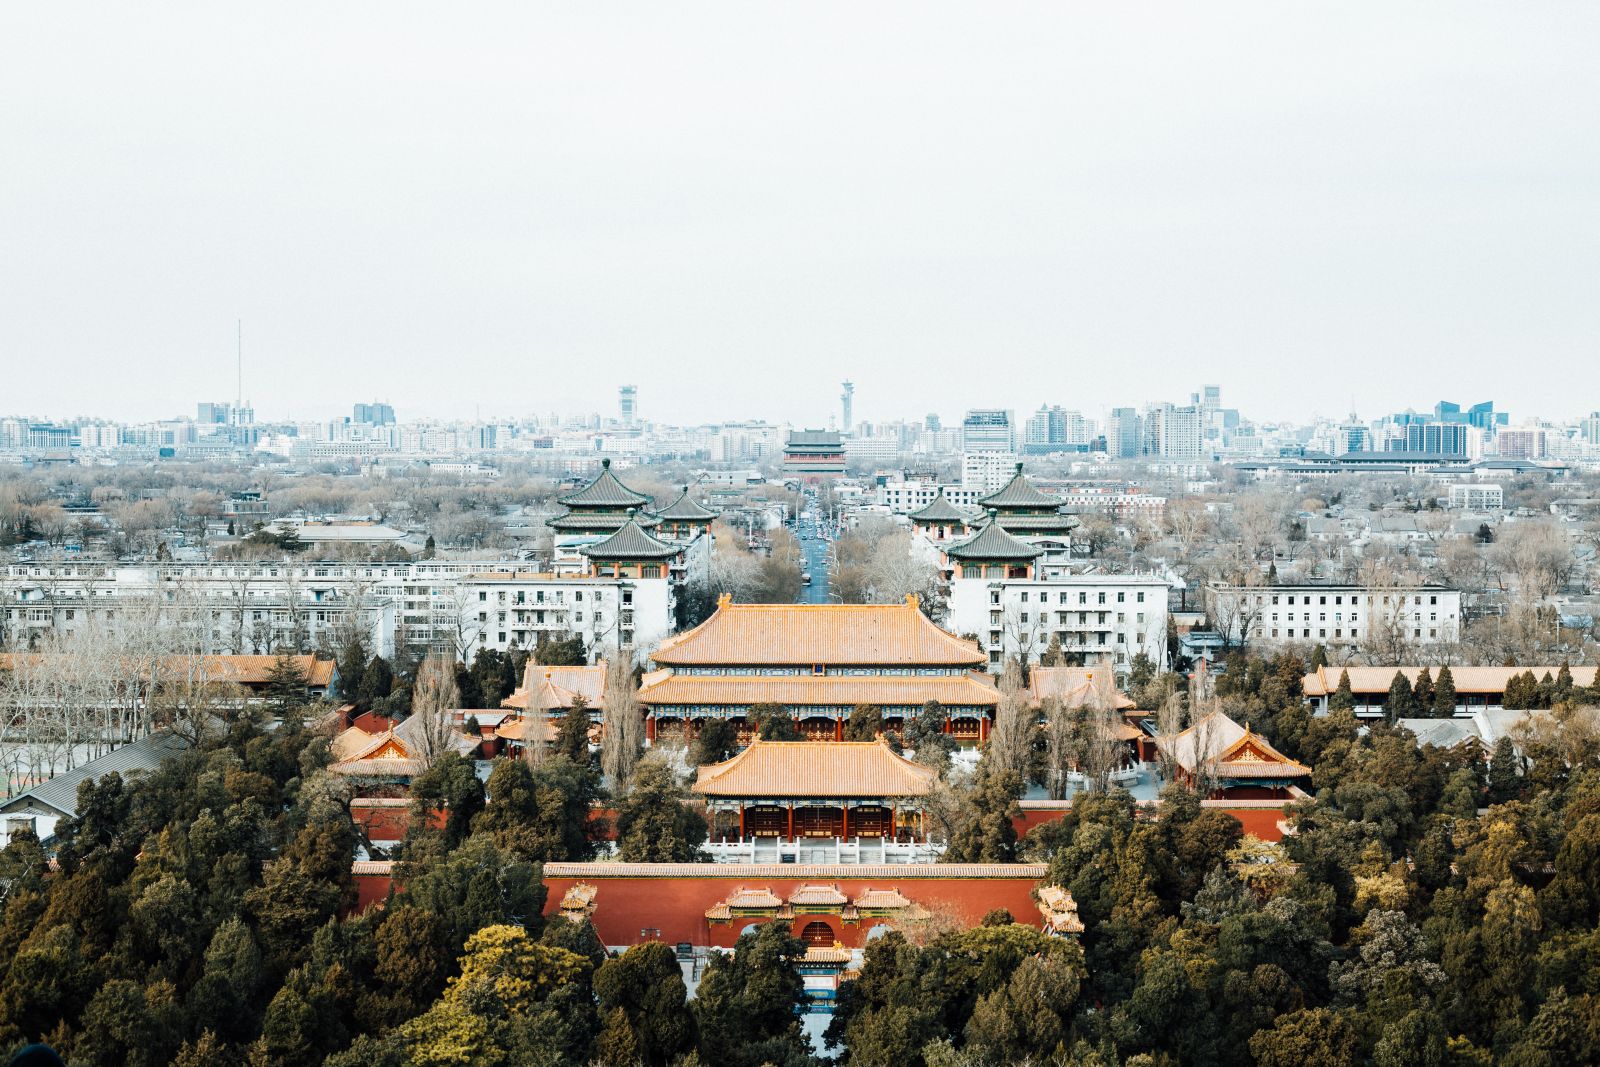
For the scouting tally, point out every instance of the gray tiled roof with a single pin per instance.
(940, 509)
(591, 520)
(604, 492)
(992, 542)
(630, 542)
(142, 756)
(1019, 493)
(686, 508)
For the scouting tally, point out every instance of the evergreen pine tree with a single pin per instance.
(1422, 690)
(1401, 703)
(1504, 783)
(1444, 694)
(1343, 698)
(1319, 658)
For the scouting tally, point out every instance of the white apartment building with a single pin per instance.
(1478, 496)
(510, 609)
(902, 498)
(1336, 615)
(1096, 618)
(985, 472)
(225, 609)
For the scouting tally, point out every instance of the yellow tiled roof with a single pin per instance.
(881, 898)
(1476, 680)
(665, 687)
(1074, 686)
(753, 898)
(856, 634)
(1233, 751)
(561, 683)
(818, 894)
(816, 769)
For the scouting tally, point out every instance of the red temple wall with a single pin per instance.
(676, 907)
(371, 889)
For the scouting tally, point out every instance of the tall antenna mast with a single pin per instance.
(238, 401)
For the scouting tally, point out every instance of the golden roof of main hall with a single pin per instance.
(807, 634)
(664, 688)
(816, 769)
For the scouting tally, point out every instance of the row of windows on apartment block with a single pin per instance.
(502, 597)
(1065, 637)
(527, 639)
(1338, 599)
(1064, 618)
(1339, 634)
(1061, 598)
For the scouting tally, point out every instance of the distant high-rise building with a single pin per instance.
(988, 430)
(1174, 432)
(1482, 416)
(847, 403)
(1211, 398)
(628, 404)
(931, 423)
(1429, 438)
(373, 414)
(214, 413)
(1591, 429)
(1124, 434)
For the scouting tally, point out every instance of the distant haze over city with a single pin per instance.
(510, 212)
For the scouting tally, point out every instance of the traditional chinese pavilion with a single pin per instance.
(992, 552)
(941, 521)
(631, 552)
(543, 698)
(813, 454)
(601, 508)
(792, 790)
(685, 518)
(1026, 511)
(819, 661)
(1234, 762)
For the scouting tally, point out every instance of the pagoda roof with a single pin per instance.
(686, 508)
(588, 682)
(816, 769)
(808, 634)
(1229, 750)
(993, 542)
(604, 492)
(1024, 523)
(630, 542)
(600, 520)
(1019, 492)
(664, 688)
(1074, 687)
(940, 509)
(825, 440)
(753, 898)
(814, 895)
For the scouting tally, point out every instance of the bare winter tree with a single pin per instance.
(1011, 742)
(1170, 721)
(1102, 745)
(622, 733)
(1061, 749)
(434, 700)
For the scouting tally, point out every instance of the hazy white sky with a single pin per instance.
(519, 206)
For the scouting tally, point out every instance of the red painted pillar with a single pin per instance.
(650, 729)
(946, 727)
(838, 728)
(844, 822)
(791, 822)
(983, 728)
(741, 822)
